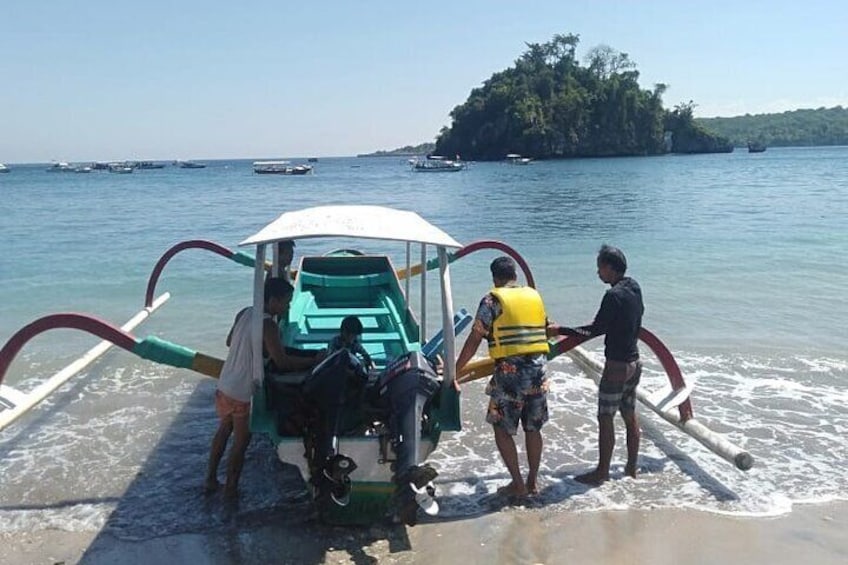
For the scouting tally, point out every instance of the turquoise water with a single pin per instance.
(739, 257)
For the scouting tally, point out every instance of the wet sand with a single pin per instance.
(810, 534)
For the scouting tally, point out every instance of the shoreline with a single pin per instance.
(810, 533)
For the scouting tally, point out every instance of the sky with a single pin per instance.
(107, 80)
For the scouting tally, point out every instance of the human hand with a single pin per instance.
(440, 365)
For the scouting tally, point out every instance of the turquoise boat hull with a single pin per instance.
(328, 289)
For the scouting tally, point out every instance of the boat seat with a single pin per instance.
(326, 336)
(342, 312)
(318, 323)
(380, 336)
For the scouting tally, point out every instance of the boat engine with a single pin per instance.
(408, 383)
(334, 390)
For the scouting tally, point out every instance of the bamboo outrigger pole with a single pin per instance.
(716, 443)
(678, 413)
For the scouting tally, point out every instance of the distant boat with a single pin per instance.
(120, 168)
(437, 164)
(83, 169)
(191, 165)
(4, 168)
(313, 159)
(149, 165)
(516, 159)
(280, 168)
(61, 167)
(756, 147)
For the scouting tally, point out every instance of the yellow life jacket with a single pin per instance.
(520, 329)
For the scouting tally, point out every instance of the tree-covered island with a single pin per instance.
(548, 105)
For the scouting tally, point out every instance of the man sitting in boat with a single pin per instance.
(350, 333)
(236, 386)
(283, 270)
(285, 256)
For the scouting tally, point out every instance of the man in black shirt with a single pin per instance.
(620, 319)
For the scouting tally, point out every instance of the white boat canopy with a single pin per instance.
(513, 156)
(366, 222)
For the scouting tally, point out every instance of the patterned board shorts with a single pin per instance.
(617, 390)
(518, 392)
(230, 408)
(506, 413)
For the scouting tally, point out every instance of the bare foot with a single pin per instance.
(630, 470)
(512, 490)
(593, 478)
(210, 486)
(532, 488)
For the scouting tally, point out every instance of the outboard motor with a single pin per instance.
(408, 383)
(333, 389)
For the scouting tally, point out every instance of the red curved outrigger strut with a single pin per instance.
(67, 320)
(190, 244)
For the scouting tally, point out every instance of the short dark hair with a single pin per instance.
(503, 268)
(614, 257)
(277, 287)
(351, 325)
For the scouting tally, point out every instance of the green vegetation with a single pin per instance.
(823, 126)
(691, 137)
(405, 151)
(547, 105)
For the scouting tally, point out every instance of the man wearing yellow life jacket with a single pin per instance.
(512, 319)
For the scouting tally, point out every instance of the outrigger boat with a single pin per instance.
(359, 437)
(280, 168)
(437, 164)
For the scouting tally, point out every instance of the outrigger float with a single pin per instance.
(364, 437)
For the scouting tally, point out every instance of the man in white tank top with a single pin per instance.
(236, 386)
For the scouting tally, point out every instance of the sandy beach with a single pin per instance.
(811, 534)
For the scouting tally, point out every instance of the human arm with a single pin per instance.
(580, 331)
(283, 360)
(599, 326)
(366, 358)
(479, 330)
(469, 348)
(487, 311)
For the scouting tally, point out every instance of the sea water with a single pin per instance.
(740, 258)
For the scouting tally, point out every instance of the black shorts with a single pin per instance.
(617, 390)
